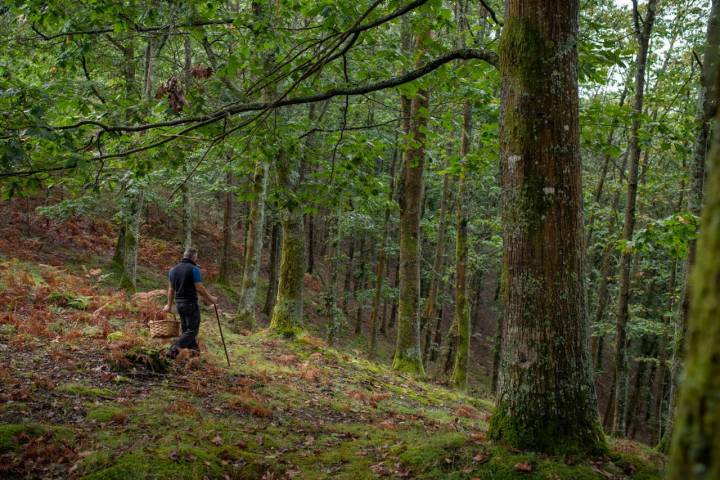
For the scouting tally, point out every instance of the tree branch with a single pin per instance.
(460, 54)
(197, 122)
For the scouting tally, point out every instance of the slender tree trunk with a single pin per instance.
(546, 397)
(359, 286)
(187, 201)
(224, 274)
(394, 307)
(437, 268)
(696, 434)
(381, 257)
(245, 318)
(348, 274)
(131, 242)
(187, 212)
(621, 366)
(310, 244)
(437, 333)
(462, 310)
(274, 265)
(708, 99)
(408, 356)
(334, 312)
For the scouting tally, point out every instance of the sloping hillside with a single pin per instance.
(87, 394)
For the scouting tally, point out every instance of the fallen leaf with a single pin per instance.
(523, 467)
(481, 457)
(217, 440)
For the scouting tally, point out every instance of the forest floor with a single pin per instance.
(85, 394)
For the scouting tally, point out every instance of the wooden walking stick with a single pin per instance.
(227, 357)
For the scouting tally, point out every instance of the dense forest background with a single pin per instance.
(346, 168)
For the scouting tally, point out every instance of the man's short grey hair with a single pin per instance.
(190, 253)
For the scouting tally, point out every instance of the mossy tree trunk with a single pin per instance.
(708, 98)
(287, 317)
(546, 397)
(274, 266)
(131, 238)
(462, 309)
(408, 356)
(245, 318)
(255, 224)
(695, 451)
(621, 364)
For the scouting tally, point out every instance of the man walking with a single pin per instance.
(184, 284)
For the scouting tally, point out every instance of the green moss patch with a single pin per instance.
(14, 435)
(86, 390)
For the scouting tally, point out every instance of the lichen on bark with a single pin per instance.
(546, 398)
(695, 450)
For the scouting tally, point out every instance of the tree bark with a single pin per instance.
(287, 317)
(696, 435)
(359, 286)
(333, 311)
(381, 257)
(408, 356)
(274, 265)
(621, 366)
(245, 318)
(546, 397)
(708, 99)
(426, 320)
(462, 310)
(226, 252)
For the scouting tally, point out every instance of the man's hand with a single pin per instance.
(213, 300)
(167, 308)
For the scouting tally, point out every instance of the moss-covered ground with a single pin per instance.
(74, 404)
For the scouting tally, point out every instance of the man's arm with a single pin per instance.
(170, 297)
(204, 293)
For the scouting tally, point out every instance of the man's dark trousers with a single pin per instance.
(189, 324)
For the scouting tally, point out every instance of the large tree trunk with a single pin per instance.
(546, 396)
(408, 356)
(696, 436)
(708, 98)
(621, 363)
(287, 317)
(462, 310)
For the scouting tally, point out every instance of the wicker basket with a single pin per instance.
(164, 327)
